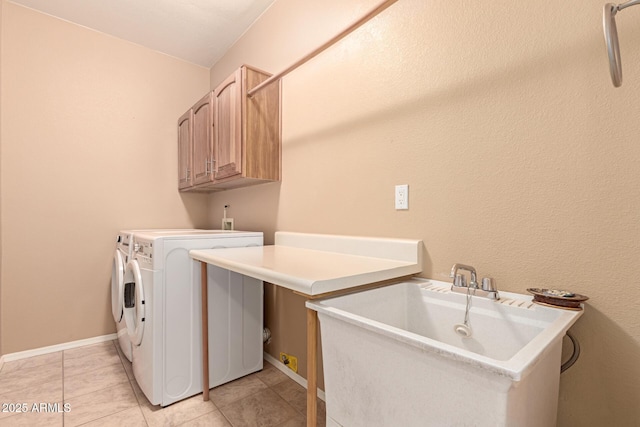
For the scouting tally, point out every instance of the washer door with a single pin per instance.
(117, 286)
(134, 302)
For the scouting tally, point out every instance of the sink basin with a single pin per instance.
(392, 357)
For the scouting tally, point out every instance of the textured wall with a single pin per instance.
(1, 8)
(521, 157)
(88, 147)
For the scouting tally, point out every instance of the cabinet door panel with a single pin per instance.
(202, 141)
(227, 127)
(184, 150)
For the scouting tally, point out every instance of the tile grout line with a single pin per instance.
(285, 401)
(139, 403)
(126, 409)
(129, 380)
(105, 416)
(205, 414)
(281, 397)
(271, 388)
(248, 395)
(108, 415)
(219, 408)
(122, 358)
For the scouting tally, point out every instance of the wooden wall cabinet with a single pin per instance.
(234, 140)
(185, 136)
(201, 146)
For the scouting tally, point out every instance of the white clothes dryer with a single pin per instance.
(162, 311)
(121, 256)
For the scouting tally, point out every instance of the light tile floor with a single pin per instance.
(97, 384)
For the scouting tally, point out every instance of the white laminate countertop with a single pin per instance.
(316, 264)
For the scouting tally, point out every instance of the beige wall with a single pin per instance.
(521, 157)
(88, 147)
(1, 8)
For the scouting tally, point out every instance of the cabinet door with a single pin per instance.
(227, 127)
(202, 140)
(184, 150)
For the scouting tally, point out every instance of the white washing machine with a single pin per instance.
(162, 311)
(121, 256)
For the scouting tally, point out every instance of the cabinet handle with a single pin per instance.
(187, 174)
(208, 166)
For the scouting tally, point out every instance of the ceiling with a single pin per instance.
(198, 31)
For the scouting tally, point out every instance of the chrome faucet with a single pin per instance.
(488, 289)
(474, 276)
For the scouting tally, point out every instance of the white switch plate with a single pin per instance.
(402, 197)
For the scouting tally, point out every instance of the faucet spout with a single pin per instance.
(470, 269)
(488, 289)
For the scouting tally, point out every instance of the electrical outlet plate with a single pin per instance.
(289, 361)
(402, 197)
(227, 223)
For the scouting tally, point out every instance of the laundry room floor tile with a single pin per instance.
(108, 347)
(29, 419)
(30, 377)
(131, 417)
(296, 395)
(270, 375)
(86, 359)
(236, 390)
(47, 392)
(99, 404)
(262, 409)
(293, 393)
(174, 414)
(95, 380)
(31, 362)
(212, 419)
(298, 421)
(98, 383)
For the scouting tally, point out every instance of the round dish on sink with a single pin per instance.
(557, 298)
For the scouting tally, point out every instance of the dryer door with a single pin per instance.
(117, 286)
(134, 302)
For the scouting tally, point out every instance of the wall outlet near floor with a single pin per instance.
(289, 361)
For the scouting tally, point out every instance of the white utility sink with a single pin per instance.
(392, 357)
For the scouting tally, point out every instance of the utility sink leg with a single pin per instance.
(205, 332)
(312, 367)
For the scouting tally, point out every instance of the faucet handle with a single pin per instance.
(460, 281)
(488, 284)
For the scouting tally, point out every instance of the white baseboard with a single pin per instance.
(288, 372)
(53, 348)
